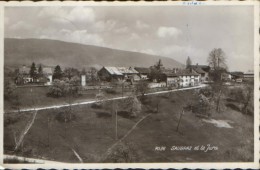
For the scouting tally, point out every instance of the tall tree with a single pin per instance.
(57, 73)
(40, 71)
(156, 71)
(217, 59)
(188, 62)
(33, 71)
(159, 65)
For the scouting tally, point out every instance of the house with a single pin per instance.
(24, 76)
(202, 70)
(172, 79)
(237, 76)
(24, 71)
(143, 72)
(118, 73)
(182, 78)
(48, 74)
(248, 76)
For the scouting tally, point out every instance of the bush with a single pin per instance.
(64, 87)
(122, 153)
(10, 120)
(65, 117)
(9, 89)
(110, 91)
(202, 107)
(96, 106)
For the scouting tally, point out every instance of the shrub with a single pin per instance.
(110, 91)
(122, 153)
(65, 117)
(63, 87)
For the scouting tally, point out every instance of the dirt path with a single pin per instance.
(27, 128)
(94, 101)
(120, 140)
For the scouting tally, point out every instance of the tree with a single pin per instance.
(33, 71)
(71, 72)
(9, 89)
(57, 73)
(188, 62)
(217, 59)
(243, 96)
(40, 71)
(156, 71)
(141, 87)
(65, 87)
(93, 74)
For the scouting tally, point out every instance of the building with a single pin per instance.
(143, 72)
(182, 78)
(248, 76)
(118, 73)
(237, 76)
(202, 70)
(48, 74)
(24, 71)
(24, 76)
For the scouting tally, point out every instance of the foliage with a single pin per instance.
(217, 59)
(203, 106)
(110, 91)
(188, 62)
(244, 96)
(141, 87)
(207, 92)
(40, 71)
(65, 117)
(132, 105)
(156, 72)
(64, 87)
(33, 71)
(57, 74)
(218, 96)
(122, 152)
(9, 89)
(71, 72)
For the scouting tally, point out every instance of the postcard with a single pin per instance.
(129, 84)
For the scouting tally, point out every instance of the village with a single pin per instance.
(156, 76)
(64, 103)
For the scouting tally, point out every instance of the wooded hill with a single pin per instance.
(53, 52)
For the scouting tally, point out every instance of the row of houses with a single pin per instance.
(191, 76)
(176, 77)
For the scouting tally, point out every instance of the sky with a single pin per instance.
(170, 31)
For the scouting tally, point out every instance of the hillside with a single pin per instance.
(52, 52)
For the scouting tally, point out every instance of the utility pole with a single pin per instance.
(115, 113)
(116, 123)
(48, 130)
(177, 129)
(123, 89)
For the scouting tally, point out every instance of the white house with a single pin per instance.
(182, 78)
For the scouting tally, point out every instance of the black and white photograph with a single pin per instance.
(130, 83)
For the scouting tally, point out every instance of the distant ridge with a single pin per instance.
(53, 52)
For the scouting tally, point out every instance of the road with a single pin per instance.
(94, 101)
(31, 160)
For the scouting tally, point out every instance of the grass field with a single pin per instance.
(91, 132)
(30, 97)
